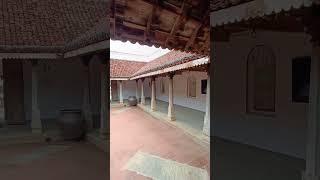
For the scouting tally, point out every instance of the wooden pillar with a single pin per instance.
(36, 124)
(2, 110)
(137, 90)
(153, 94)
(206, 123)
(86, 105)
(120, 92)
(171, 115)
(104, 112)
(312, 171)
(143, 100)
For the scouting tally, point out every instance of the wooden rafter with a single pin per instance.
(149, 22)
(161, 25)
(195, 32)
(176, 23)
(144, 28)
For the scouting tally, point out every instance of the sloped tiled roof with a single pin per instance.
(51, 25)
(170, 59)
(124, 68)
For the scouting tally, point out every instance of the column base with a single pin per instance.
(153, 106)
(206, 126)
(36, 124)
(309, 177)
(171, 118)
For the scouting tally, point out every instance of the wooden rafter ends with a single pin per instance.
(178, 25)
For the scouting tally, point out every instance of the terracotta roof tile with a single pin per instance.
(168, 60)
(49, 25)
(124, 68)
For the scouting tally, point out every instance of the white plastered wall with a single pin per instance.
(180, 90)
(129, 88)
(285, 132)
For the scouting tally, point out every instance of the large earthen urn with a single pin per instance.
(71, 124)
(132, 101)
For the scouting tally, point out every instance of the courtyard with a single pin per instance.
(143, 147)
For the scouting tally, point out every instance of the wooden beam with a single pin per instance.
(149, 22)
(141, 27)
(195, 32)
(176, 22)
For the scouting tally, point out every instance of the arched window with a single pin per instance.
(192, 87)
(261, 80)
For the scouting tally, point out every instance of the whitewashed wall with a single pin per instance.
(285, 132)
(60, 86)
(129, 88)
(180, 90)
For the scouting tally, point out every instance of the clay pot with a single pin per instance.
(71, 124)
(132, 101)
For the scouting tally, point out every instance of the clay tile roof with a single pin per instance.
(51, 25)
(124, 68)
(170, 59)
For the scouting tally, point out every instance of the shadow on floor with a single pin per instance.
(186, 116)
(242, 162)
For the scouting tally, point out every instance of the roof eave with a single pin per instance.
(119, 78)
(186, 65)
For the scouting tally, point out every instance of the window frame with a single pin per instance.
(188, 87)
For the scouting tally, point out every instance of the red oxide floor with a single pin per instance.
(133, 130)
(80, 161)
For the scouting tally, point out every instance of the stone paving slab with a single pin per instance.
(159, 168)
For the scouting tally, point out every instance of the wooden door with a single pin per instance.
(114, 90)
(14, 92)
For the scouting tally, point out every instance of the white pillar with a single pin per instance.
(137, 90)
(153, 94)
(120, 92)
(171, 106)
(312, 171)
(143, 101)
(2, 111)
(36, 124)
(104, 99)
(206, 123)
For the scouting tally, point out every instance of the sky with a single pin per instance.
(135, 52)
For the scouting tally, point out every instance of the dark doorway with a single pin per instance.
(114, 91)
(13, 92)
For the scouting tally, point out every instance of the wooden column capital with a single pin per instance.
(171, 75)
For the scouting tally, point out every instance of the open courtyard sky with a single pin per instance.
(136, 52)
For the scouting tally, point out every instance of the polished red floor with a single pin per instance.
(133, 130)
